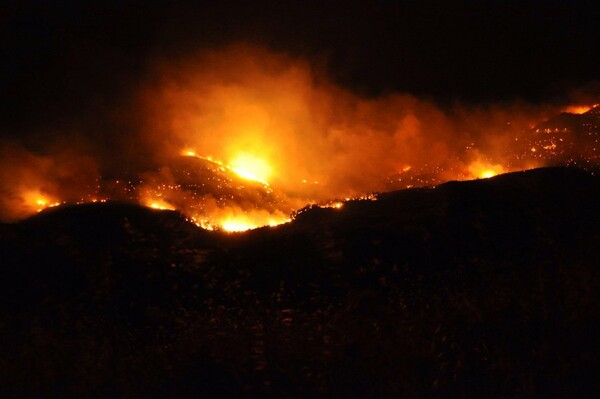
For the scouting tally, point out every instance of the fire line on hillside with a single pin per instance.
(243, 138)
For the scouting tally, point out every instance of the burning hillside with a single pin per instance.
(242, 137)
(210, 193)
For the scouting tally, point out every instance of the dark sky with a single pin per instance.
(62, 60)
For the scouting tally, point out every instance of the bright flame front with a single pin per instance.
(484, 170)
(251, 167)
(38, 201)
(578, 109)
(249, 221)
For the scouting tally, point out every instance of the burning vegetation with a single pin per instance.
(241, 138)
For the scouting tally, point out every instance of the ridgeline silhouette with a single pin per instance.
(482, 288)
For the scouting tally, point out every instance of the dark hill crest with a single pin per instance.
(487, 287)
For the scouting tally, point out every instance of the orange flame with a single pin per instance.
(577, 109)
(251, 168)
(37, 201)
(276, 120)
(484, 170)
(159, 204)
(235, 221)
(246, 166)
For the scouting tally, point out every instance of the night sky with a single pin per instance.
(65, 61)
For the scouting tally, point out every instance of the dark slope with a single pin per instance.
(483, 288)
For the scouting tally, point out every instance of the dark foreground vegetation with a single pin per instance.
(487, 288)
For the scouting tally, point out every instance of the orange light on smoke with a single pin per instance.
(158, 204)
(233, 225)
(250, 221)
(485, 174)
(484, 170)
(251, 167)
(577, 109)
(151, 201)
(334, 204)
(245, 165)
(37, 201)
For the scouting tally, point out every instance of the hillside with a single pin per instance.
(482, 288)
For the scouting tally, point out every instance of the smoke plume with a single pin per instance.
(275, 117)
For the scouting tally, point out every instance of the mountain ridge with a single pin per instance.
(481, 287)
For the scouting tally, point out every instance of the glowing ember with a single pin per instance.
(203, 223)
(335, 205)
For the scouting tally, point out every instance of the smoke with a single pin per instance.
(273, 116)
(30, 182)
(587, 94)
(246, 101)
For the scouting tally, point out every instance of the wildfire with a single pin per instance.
(251, 168)
(38, 201)
(154, 199)
(249, 221)
(484, 170)
(209, 210)
(577, 109)
(486, 174)
(246, 166)
(334, 205)
(159, 204)
(275, 135)
(234, 225)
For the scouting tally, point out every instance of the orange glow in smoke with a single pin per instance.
(577, 109)
(333, 204)
(251, 168)
(230, 217)
(246, 166)
(159, 204)
(276, 120)
(234, 225)
(484, 170)
(37, 201)
(249, 221)
(487, 173)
